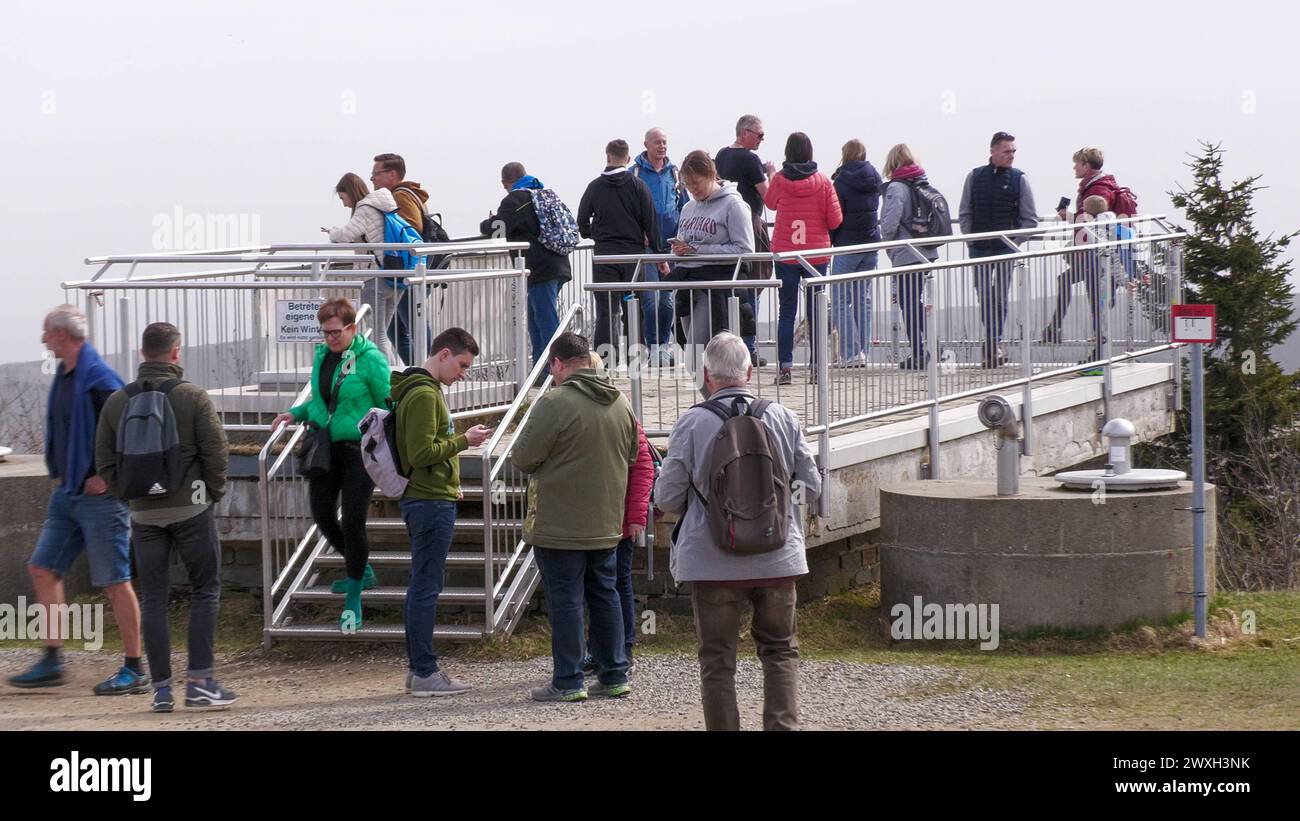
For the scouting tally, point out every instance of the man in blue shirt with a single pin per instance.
(659, 174)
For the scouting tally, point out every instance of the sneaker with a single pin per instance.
(409, 678)
(163, 701)
(44, 673)
(784, 377)
(998, 360)
(436, 684)
(610, 690)
(914, 364)
(125, 680)
(551, 693)
(208, 694)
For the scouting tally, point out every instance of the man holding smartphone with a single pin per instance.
(429, 447)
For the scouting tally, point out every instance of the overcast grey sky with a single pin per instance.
(116, 115)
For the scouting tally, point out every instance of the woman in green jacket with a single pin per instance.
(349, 365)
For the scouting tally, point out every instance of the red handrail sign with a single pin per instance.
(1193, 323)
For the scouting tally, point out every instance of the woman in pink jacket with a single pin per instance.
(807, 210)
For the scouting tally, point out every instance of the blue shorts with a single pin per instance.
(99, 525)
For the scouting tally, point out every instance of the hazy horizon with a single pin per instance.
(116, 118)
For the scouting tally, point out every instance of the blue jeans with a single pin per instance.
(400, 329)
(542, 316)
(625, 597)
(570, 577)
(851, 303)
(430, 523)
(656, 309)
(792, 276)
(98, 525)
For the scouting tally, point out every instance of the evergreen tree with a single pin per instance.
(1227, 263)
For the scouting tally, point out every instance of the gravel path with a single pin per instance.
(280, 692)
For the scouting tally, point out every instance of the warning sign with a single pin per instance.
(1193, 323)
(295, 320)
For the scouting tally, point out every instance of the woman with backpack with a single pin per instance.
(807, 210)
(348, 377)
(857, 184)
(367, 225)
(905, 173)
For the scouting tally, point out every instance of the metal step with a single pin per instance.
(398, 558)
(462, 525)
(374, 632)
(390, 595)
(472, 492)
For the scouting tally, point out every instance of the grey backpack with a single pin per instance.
(749, 495)
(148, 447)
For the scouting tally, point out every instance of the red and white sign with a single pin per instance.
(1193, 323)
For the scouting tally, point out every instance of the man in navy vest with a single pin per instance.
(996, 197)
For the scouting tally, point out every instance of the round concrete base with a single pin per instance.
(1049, 557)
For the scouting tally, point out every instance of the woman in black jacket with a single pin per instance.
(858, 184)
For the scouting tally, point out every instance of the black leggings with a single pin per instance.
(348, 476)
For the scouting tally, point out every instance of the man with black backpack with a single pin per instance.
(995, 197)
(161, 446)
(518, 220)
(739, 471)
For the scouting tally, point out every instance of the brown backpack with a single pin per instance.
(749, 493)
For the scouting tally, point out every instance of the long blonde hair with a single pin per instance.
(898, 156)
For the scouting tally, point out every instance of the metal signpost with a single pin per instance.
(1194, 324)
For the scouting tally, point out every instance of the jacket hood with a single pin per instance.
(644, 161)
(595, 386)
(615, 176)
(159, 371)
(410, 379)
(414, 186)
(726, 189)
(856, 175)
(382, 199)
(798, 170)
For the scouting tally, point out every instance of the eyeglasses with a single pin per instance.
(334, 334)
(758, 134)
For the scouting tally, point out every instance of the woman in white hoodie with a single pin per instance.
(716, 220)
(367, 225)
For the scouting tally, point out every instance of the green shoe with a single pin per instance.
(368, 581)
(350, 620)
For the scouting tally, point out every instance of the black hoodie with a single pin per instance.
(618, 212)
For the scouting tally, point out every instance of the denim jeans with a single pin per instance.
(851, 303)
(656, 310)
(911, 301)
(195, 539)
(571, 577)
(792, 277)
(430, 524)
(97, 525)
(542, 316)
(992, 287)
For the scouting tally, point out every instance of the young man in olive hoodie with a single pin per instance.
(429, 449)
(182, 520)
(577, 448)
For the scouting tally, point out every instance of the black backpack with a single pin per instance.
(430, 229)
(148, 446)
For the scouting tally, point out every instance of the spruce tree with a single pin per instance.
(1243, 274)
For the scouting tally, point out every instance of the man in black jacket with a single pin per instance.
(618, 212)
(516, 221)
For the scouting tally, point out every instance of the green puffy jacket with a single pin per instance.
(362, 377)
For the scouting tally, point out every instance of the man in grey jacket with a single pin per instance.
(723, 583)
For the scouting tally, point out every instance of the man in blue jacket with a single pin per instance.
(82, 515)
(659, 174)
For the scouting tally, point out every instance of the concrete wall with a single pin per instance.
(25, 489)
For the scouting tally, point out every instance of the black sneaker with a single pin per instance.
(914, 364)
(785, 378)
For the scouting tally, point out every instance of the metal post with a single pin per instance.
(488, 548)
(1026, 353)
(733, 313)
(1198, 487)
(124, 334)
(634, 360)
(1106, 376)
(522, 367)
(419, 337)
(822, 305)
(1175, 297)
(932, 372)
(268, 578)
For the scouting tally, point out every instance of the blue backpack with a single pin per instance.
(397, 229)
(558, 229)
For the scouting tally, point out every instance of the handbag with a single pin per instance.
(314, 452)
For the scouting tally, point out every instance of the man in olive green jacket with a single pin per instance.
(429, 449)
(182, 521)
(578, 445)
